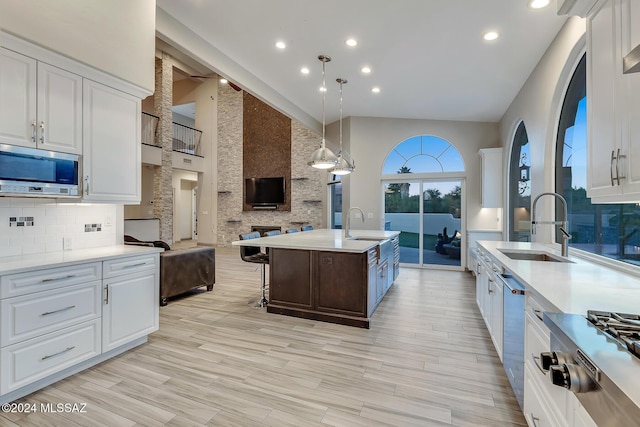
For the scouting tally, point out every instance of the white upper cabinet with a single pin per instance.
(613, 107)
(491, 177)
(40, 105)
(111, 159)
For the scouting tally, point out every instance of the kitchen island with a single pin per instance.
(322, 275)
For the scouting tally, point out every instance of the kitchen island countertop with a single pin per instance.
(323, 240)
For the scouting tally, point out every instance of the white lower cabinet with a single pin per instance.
(489, 297)
(130, 308)
(40, 357)
(55, 319)
(546, 404)
(537, 410)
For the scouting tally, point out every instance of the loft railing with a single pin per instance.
(150, 129)
(186, 139)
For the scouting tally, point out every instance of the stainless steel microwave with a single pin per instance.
(33, 172)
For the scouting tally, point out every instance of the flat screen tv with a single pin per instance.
(265, 191)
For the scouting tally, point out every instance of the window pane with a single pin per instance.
(611, 230)
(423, 154)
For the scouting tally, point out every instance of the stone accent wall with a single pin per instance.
(163, 174)
(308, 185)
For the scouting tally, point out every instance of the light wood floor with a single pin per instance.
(426, 361)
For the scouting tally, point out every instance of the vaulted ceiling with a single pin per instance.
(427, 57)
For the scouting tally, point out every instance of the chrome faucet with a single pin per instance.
(562, 223)
(348, 222)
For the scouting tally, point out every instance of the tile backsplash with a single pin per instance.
(33, 225)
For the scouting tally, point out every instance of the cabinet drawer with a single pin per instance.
(13, 285)
(536, 406)
(535, 309)
(32, 360)
(28, 316)
(536, 343)
(119, 266)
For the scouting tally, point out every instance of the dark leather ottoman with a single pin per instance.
(182, 270)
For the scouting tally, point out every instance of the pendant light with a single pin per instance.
(323, 158)
(344, 166)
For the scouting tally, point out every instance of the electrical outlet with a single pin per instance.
(370, 215)
(67, 244)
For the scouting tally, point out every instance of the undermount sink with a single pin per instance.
(532, 256)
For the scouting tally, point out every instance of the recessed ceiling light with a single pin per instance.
(538, 4)
(365, 70)
(323, 89)
(490, 35)
(351, 42)
(280, 45)
(304, 70)
(224, 81)
(375, 89)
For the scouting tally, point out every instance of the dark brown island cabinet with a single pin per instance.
(332, 286)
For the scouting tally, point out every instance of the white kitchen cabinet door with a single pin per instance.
(602, 132)
(496, 314)
(111, 156)
(491, 177)
(130, 308)
(59, 100)
(17, 99)
(40, 105)
(630, 16)
(613, 110)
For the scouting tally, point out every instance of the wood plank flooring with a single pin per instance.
(426, 361)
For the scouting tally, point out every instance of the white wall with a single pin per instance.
(538, 105)
(115, 36)
(371, 139)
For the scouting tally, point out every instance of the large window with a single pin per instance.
(519, 188)
(611, 230)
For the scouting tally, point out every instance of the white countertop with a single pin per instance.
(573, 287)
(322, 240)
(20, 263)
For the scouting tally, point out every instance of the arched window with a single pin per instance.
(611, 230)
(519, 187)
(423, 154)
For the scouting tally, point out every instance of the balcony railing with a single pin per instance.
(185, 139)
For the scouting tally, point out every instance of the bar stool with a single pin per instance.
(254, 255)
(292, 230)
(272, 233)
(306, 228)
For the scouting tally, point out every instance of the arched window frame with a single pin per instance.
(433, 155)
(519, 185)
